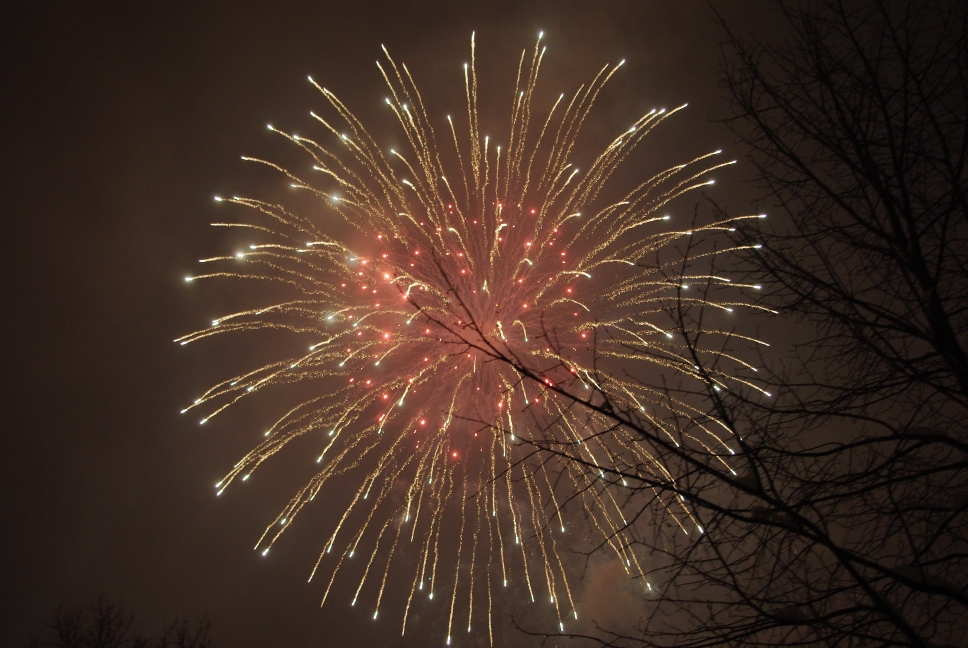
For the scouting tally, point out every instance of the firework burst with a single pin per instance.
(444, 338)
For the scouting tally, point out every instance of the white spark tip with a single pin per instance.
(218, 199)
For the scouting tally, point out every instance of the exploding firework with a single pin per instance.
(447, 333)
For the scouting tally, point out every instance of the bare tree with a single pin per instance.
(847, 525)
(104, 624)
(858, 128)
(794, 536)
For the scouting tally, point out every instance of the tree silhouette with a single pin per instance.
(104, 624)
(845, 524)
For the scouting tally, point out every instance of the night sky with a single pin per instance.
(120, 124)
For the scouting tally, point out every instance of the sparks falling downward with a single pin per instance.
(509, 254)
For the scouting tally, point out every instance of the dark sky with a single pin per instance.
(120, 123)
